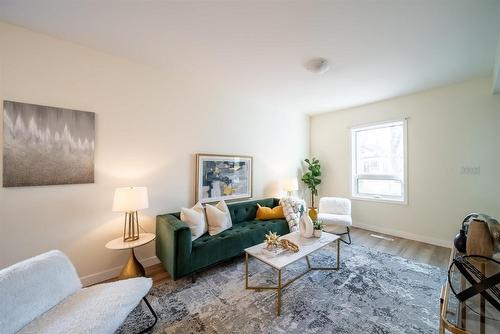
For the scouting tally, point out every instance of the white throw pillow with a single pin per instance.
(219, 218)
(195, 219)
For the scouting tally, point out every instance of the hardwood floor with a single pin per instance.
(409, 249)
(157, 273)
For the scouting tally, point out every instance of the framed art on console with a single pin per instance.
(223, 177)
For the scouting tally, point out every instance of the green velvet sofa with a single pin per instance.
(181, 256)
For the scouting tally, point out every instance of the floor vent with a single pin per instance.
(381, 237)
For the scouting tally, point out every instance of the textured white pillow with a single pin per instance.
(195, 219)
(218, 218)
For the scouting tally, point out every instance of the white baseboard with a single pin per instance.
(113, 272)
(150, 261)
(406, 235)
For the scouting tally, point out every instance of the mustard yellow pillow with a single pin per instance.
(265, 213)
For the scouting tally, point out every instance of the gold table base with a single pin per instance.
(281, 286)
(133, 268)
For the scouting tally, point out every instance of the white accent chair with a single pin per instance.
(43, 294)
(335, 211)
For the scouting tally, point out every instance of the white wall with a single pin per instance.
(448, 128)
(148, 126)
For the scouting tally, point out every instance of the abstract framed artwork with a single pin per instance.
(47, 145)
(223, 177)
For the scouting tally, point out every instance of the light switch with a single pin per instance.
(470, 170)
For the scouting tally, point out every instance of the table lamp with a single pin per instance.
(290, 185)
(130, 200)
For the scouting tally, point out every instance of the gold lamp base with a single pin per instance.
(131, 226)
(133, 268)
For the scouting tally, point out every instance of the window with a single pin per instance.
(379, 162)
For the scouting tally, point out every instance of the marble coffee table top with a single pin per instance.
(283, 259)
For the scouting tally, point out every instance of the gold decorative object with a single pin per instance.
(287, 244)
(271, 240)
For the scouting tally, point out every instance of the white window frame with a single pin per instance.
(354, 176)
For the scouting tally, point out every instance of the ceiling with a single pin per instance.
(256, 50)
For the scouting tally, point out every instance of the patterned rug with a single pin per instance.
(373, 292)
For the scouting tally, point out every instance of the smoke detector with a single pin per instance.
(318, 65)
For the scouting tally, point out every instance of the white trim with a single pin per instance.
(379, 177)
(405, 143)
(381, 124)
(404, 181)
(406, 235)
(113, 272)
(379, 200)
(377, 123)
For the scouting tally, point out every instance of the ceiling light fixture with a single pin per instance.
(318, 65)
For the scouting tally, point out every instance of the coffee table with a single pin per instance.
(280, 261)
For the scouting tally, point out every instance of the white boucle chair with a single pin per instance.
(335, 211)
(43, 294)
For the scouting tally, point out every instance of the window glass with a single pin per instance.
(379, 161)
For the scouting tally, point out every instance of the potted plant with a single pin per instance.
(312, 180)
(318, 227)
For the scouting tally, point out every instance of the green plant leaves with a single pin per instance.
(318, 224)
(312, 177)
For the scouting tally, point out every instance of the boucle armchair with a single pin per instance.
(336, 211)
(44, 295)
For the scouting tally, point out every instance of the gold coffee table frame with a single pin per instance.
(282, 286)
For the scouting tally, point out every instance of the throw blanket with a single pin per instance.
(293, 207)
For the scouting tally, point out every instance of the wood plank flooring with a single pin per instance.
(409, 249)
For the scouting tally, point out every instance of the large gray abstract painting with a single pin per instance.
(46, 145)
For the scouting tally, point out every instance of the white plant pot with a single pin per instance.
(317, 233)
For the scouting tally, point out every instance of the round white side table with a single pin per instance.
(133, 268)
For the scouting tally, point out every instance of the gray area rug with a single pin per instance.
(373, 292)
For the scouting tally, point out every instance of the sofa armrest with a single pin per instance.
(173, 243)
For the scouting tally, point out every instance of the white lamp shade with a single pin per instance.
(291, 184)
(128, 199)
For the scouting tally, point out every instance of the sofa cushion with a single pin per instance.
(31, 287)
(265, 213)
(218, 218)
(232, 242)
(329, 218)
(246, 211)
(335, 205)
(100, 308)
(195, 218)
